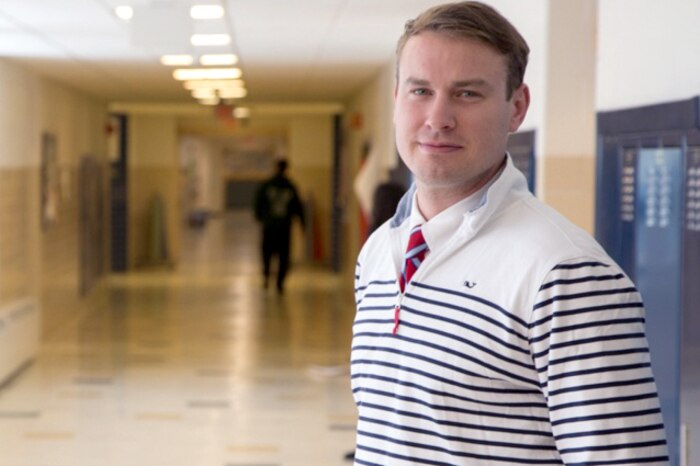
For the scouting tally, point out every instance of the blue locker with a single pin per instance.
(521, 147)
(628, 208)
(690, 357)
(648, 219)
(658, 274)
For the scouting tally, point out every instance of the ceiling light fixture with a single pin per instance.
(199, 40)
(241, 112)
(176, 60)
(213, 84)
(233, 93)
(186, 74)
(207, 12)
(209, 101)
(124, 12)
(204, 93)
(218, 59)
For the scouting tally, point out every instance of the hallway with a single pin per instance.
(200, 366)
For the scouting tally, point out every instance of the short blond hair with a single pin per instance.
(474, 20)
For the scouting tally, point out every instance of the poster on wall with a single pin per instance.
(248, 163)
(251, 158)
(50, 183)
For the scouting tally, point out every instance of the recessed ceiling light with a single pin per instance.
(218, 59)
(207, 12)
(124, 12)
(210, 39)
(186, 74)
(176, 60)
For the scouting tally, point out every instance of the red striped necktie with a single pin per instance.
(415, 254)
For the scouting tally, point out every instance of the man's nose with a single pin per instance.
(440, 115)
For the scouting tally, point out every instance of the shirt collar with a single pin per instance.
(438, 230)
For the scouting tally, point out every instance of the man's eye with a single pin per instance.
(467, 93)
(420, 91)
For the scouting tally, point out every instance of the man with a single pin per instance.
(276, 204)
(508, 336)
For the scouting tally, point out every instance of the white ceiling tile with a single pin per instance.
(289, 50)
(20, 44)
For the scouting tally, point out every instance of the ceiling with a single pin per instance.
(290, 51)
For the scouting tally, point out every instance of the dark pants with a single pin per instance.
(276, 243)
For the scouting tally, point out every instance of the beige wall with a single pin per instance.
(77, 122)
(19, 211)
(310, 154)
(374, 104)
(18, 234)
(154, 172)
(567, 138)
(35, 262)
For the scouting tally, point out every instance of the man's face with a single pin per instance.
(451, 115)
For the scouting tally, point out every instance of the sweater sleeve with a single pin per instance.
(591, 354)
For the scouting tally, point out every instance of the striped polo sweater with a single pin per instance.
(520, 342)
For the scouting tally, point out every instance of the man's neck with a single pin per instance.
(431, 200)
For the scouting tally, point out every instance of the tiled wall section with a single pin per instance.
(314, 182)
(569, 187)
(77, 122)
(145, 182)
(18, 214)
(60, 240)
(311, 161)
(60, 253)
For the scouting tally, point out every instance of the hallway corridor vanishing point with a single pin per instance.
(198, 367)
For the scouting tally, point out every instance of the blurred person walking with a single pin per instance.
(276, 203)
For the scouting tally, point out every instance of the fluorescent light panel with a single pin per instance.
(204, 93)
(241, 112)
(124, 12)
(207, 12)
(213, 84)
(199, 40)
(176, 60)
(186, 74)
(233, 93)
(222, 59)
(209, 101)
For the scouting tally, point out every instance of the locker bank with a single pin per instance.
(647, 216)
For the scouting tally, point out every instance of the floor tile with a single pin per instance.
(197, 366)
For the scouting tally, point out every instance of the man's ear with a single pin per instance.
(521, 102)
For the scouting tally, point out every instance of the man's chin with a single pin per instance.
(440, 182)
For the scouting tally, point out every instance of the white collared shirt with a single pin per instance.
(438, 230)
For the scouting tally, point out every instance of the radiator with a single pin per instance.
(19, 336)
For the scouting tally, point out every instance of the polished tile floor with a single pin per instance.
(194, 367)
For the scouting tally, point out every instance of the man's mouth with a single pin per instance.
(438, 147)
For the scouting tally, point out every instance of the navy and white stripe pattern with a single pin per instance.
(469, 382)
